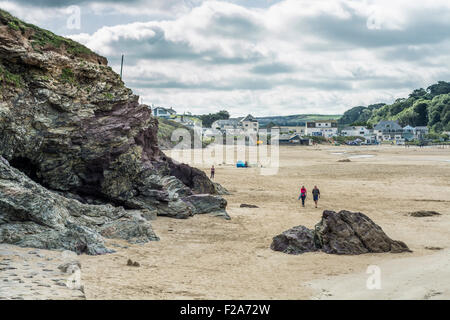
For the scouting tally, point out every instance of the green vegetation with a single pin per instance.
(68, 76)
(362, 124)
(13, 25)
(109, 96)
(165, 130)
(430, 107)
(208, 119)
(43, 39)
(359, 114)
(9, 78)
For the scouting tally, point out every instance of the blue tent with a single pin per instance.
(240, 164)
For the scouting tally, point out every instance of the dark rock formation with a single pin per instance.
(70, 124)
(344, 232)
(32, 216)
(244, 205)
(423, 213)
(295, 241)
(86, 147)
(205, 203)
(130, 263)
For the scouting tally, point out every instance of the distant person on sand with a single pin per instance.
(316, 195)
(302, 195)
(213, 171)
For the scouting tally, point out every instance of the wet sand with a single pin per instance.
(209, 258)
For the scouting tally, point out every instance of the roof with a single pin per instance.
(229, 122)
(391, 125)
(287, 136)
(170, 110)
(355, 128)
(249, 118)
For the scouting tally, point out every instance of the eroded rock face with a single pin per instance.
(32, 216)
(341, 232)
(70, 124)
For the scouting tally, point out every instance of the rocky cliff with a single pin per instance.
(68, 122)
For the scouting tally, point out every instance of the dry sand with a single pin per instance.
(209, 258)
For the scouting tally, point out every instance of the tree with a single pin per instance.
(421, 109)
(208, 119)
(439, 113)
(442, 87)
(362, 124)
(418, 93)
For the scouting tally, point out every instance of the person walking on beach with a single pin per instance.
(302, 195)
(213, 171)
(316, 195)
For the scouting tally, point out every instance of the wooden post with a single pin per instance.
(121, 68)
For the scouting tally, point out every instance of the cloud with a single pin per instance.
(269, 57)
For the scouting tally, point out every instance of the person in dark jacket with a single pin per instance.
(213, 171)
(316, 195)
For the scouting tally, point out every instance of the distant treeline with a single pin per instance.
(423, 107)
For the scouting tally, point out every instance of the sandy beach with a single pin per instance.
(209, 258)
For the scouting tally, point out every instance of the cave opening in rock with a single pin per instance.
(27, 167)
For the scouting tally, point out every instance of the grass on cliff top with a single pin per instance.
(41, 38)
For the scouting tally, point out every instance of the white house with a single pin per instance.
(165, 113)
(356, 131)
(249, 124)
(291, 129)
(222, 125)
(421, 132)
(409, 133)
(388, 131)
(326, 128)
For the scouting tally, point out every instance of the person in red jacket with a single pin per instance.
(302, 195)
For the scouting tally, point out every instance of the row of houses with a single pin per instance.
(387, 131)
(384, 131)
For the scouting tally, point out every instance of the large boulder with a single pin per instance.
(70, 124)
(295, 241)
(341, 232)
(206, 203)
(32, 216)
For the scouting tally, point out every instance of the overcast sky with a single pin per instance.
(263, 57)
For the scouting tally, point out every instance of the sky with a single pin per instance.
(264, 57)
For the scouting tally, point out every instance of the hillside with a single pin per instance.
(423, 107)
